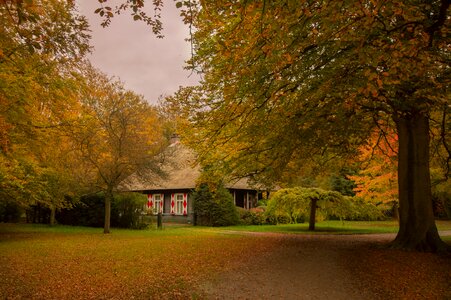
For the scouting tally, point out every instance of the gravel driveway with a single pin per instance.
(330, 267)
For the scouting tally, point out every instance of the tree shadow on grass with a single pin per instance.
(332, 230)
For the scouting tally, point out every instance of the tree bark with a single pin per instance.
(313, 206)
(417, 229)
(52, 215)
(396, 211)
(108, 200)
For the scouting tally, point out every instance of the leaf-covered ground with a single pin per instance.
(403, 275)
(122, 265)
(335, 267)
(42, 263)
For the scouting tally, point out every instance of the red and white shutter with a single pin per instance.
(185, 204)
(161, 203)
(149, 201)
(172, 203)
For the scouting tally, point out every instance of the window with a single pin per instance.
(157, 203)
(179, 204)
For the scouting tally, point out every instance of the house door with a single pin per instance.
(240, 199)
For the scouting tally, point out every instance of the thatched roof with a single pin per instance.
(182, 173)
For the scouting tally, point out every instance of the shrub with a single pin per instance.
(357, 209)
(10, 211)
(214, 208)
(89, 211)
(254, 216)
(441, 201)
(262, 203)
(126, 210)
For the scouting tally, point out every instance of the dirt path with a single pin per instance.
(318, 267)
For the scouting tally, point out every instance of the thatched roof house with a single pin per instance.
(171, 194)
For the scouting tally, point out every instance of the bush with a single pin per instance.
(441, 201)
(262, 203)
(214, 208)
(126, 210)
(357, 209)
(254, 216)
(10, 211)
(89, 211)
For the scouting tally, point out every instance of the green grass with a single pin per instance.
(38, 261)
(324, 227)
(332, 227)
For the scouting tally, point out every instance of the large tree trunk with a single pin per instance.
(417, 229)
(313, 207)
(108, 200)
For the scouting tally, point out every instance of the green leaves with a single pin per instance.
(214, 207)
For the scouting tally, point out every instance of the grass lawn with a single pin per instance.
(332, 227)
(63, 262)
(78, 262)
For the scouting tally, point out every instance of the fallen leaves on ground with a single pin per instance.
(398, 274)
(116, 266)
(176, 264)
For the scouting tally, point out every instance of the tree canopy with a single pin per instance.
(118, 135)
(66, 128)
(41, 43)
(286, 81)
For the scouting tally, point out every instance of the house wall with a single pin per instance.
(243, 198)
(173, 217)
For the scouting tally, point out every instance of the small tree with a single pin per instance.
(214, 206)
(298, 202)
(288, 204)
(118, 135)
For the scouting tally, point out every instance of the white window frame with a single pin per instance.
(156, 203)
(178, 204)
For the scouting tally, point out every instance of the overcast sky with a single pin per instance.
(129, 50)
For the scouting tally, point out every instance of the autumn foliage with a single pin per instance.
(377, 180)
(66, 129)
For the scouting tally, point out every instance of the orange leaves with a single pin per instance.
(154, 264)
(379, 83)
(377, 181)
(4, 135)
(403, 275)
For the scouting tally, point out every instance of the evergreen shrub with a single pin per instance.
(214, 208)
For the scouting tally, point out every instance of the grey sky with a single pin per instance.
(130, 51)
